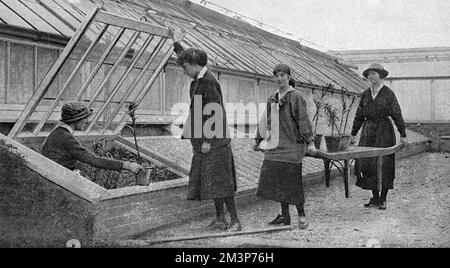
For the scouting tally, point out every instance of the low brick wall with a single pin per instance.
(413, 149)
(439, 133)
(442, 129)
(135, 214)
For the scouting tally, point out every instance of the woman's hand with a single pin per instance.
(311, 149)
(404, 141)
(132, 167)
(352, 140)
(255, 147)
(206, 147)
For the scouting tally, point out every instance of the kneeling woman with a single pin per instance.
(285, 135)
(65, 149)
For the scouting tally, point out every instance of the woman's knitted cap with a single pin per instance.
(193, 56)
(282, 68)
(73, 112)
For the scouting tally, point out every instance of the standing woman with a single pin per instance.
(377, 104)
(285, 134)
(212, 174)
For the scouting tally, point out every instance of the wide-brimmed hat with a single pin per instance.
(74, 111)
(377, 68)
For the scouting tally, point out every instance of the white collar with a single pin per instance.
(66, 126)
(378, 90)
(290, 89)
(202, 73)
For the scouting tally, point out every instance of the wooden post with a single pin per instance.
(202, 236)
(346, 175)
(327, 172)
(380, 172)
(48, 79)
(433, 101)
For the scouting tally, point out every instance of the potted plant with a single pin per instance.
(319, 102)
(341, 141)
(143, 177)
(333, 141)
(345, 113)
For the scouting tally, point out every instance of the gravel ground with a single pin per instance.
(418, 214)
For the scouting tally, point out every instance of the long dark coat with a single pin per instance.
(377, 131)
(213, 174)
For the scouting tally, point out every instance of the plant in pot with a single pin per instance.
(319, 102)
(345, 113)
(333, 141)
(341, 141)
(143, 177)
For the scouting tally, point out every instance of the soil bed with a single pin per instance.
(110, 179)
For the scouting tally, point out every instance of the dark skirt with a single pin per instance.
(212, 175)
(376, 134)
(281, 182)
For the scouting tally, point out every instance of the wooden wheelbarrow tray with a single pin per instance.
(354, 152)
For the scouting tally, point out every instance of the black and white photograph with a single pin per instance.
(249, 125)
